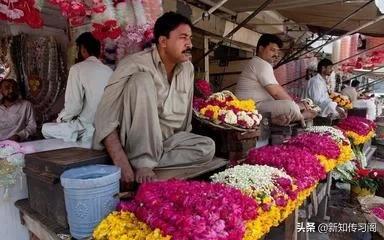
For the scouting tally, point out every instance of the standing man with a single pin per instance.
(317, 91)
(85, 87)
(144, 117)
(17, 120)
(257, 81)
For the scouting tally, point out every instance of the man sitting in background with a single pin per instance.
(350, 90)
(365, 103)
(17, 120)
(85, 87)
(317, 90)
(257, 81)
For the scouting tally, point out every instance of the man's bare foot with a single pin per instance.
(145, 175)
(281, 120)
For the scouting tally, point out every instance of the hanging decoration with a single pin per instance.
(22, 11)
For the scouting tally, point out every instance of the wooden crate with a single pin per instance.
(230, 144)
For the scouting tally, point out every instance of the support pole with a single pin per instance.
(210, 11)
(249, 18)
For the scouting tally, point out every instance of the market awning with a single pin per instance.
(318, 15)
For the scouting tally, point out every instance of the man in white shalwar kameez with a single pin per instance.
(144, 117)
(85, 86)
(317, 90)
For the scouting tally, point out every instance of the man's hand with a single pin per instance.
(15, 138)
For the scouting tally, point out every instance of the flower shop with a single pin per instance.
(266, 181)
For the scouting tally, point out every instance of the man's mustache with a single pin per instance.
(188, 50)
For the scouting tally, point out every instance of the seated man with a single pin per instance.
(17, 120)
(85, 87)
(317, 91)
(366, 103)
(350, 90)
(257, 81)
(144, 117)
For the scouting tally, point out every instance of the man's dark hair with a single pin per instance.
(167, 23)
(90, 43)
(266, 39)
(323, 63)
(355, 83)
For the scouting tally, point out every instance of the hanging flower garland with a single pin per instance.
(22, 11)
(297, 163)
(125, 226)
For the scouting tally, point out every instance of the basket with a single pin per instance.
(221, 96)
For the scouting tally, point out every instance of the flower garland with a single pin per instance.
(133, 39)
(11, 162)
(22, 11)
(193, 210)
(125, 226)
(298, 163)
(359, 129)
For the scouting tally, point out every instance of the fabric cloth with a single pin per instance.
(351, 93)
(85, 87)
(18, 119)
(281, 107)
(369, 104)
(256, 74)
(153, 116)
(71, 131)
(317, 91)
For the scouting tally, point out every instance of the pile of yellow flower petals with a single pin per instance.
(125, 226)
(257, 228)
(359, 139)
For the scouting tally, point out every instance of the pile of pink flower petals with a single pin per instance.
(359, 125)
(298, 163)
(378, 212)
(316, 144)
(193, 210)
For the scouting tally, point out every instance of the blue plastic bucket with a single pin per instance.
(90, 194)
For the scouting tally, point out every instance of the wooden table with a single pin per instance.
(42, 228)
